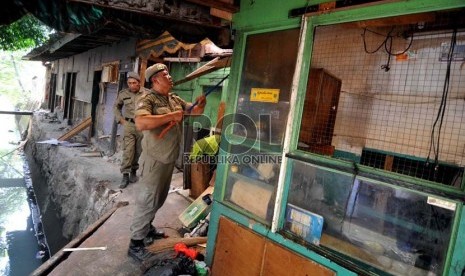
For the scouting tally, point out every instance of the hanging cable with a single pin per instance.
(435, 143)
(388, 39)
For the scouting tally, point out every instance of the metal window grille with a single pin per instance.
(409, 105)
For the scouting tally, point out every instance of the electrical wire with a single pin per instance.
(435, 145)
(388, 40)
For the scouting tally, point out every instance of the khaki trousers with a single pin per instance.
(152, 191)
(132, 148)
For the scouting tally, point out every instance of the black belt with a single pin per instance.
(129, 120)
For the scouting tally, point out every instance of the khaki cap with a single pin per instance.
(134, 75)
(152, 70)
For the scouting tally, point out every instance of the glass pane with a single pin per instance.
(265, 87)
(396, 230)
(252, 181)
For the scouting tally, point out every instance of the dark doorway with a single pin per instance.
(95, 100)
(52, 93)
(70, 88)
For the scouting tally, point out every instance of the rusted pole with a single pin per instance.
(16, 112)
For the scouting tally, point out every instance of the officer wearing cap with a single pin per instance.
(132, 137)
(157, 112)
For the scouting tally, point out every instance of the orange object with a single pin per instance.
(181, 247)
(402, 57)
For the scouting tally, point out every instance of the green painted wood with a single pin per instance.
(222, 210)
(258, 16)
(455, 261)
(386, 9)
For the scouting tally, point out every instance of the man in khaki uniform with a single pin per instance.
(158, 114)
(132, 137)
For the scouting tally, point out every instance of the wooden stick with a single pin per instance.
(56, 259)
(84, 249)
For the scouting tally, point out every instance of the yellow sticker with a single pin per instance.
(267, 95)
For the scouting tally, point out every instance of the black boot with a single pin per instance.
(133, 176)
(124, 181)
(152, 235)
(137, 251)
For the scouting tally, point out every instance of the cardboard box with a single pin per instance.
(198, 209)
(304, 223)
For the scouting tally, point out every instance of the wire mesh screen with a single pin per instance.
(396, 90)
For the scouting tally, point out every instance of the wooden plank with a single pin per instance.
(221, 14)
(143, 67)
(216, 4)
(209, 67)
(347, 248)
(219, 119)
(164, 244)
(200, 177)
(395, 20)
(281, 261)
(75, 130)
(388, 162)
(238, 251)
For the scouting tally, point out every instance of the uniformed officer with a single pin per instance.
(132, 137)
(157, 112)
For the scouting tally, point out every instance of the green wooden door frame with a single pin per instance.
(454, 264)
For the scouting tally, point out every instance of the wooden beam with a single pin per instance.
(75, 130)
(169, 243)
(395, 20)
(209, 67)
(388, 162)
(143, 67)
(221, 14)
(175, 11)
(216, 4)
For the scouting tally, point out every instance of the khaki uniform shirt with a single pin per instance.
(127, 99)
(166, 149)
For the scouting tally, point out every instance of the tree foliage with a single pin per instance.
(27, 32)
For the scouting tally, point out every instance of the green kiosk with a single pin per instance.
(343, 147)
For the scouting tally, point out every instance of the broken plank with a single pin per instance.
(75, 130)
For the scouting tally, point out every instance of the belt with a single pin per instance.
(129, 120)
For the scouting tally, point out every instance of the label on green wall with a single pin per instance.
(267, 95)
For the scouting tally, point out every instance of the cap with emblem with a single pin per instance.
(152, 70)
(134, 75)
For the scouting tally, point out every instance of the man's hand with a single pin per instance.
(177, 116)
(201, 101)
